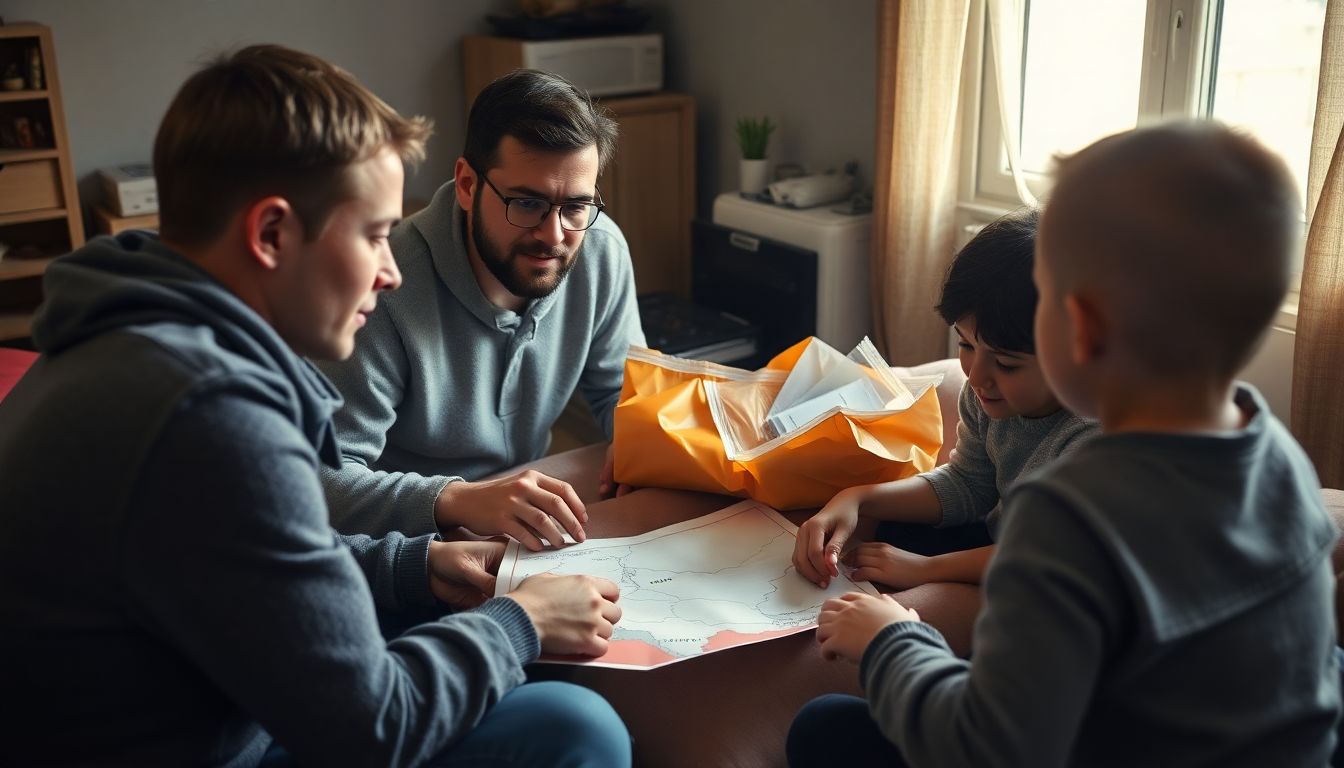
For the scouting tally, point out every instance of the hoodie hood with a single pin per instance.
(133, 283)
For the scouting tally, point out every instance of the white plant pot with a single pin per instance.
(754, 175)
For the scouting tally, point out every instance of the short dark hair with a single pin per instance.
(543, 111)
(990, 280)
(269, 120)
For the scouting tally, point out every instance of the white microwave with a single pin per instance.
(602, 66)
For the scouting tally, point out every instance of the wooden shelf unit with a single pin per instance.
(649, 187)
(39, 203)
(109, 223)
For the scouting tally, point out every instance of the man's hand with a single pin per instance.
(847, 624)
(607, 479)
(462, 573)
(816, 551)
(885, 564)
(528, 506)
(573, 614)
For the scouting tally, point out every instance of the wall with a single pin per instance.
(810, 65)
(121, 62)
(1271, 371)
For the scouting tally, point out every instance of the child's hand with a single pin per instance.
(847, 624)
(816, 551)
(885, 564)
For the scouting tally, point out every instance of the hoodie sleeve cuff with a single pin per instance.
(411, 577)
(890, 636)
(433, 489)
(517, 626)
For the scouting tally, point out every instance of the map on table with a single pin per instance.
(719, 581)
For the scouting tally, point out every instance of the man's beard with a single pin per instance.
(519, 279)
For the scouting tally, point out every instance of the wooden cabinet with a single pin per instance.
(109, 223)
(649, 187)
(39, 207)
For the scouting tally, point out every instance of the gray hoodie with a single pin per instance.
(170, 588)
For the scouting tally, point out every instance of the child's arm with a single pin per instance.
(899, 569)
(966, 486)
(1052, 613)
(822, 537)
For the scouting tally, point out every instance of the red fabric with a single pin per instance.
(13, 364)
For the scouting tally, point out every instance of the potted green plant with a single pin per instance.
(753, 137)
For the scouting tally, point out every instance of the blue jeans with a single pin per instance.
(836, 729)
(538, 724)
(927, 540)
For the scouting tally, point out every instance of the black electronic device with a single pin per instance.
(678, 327)
(768, 283)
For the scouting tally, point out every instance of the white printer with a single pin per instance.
(130, 190)
(792, 272)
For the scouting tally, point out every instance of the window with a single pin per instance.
(1089, 68)
(1264, 81)
(1080, 76)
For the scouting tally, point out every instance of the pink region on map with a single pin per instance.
(634, 653)
(729, 639)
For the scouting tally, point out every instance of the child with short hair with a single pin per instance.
(1162, 595)
(1010, 424)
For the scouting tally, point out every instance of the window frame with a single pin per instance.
(1177, 79)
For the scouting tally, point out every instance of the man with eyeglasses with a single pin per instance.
(517, 292)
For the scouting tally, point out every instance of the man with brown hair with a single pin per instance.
(519, 293)
(198, 609)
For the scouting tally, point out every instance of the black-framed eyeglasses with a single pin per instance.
(530, 212)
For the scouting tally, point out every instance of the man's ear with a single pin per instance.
(270, 225)
(464, 183)
(1088, 326)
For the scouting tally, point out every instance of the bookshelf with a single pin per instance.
(39, 206)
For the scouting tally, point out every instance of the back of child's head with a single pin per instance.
(1184, 233)
(268, 120)
(990, 281)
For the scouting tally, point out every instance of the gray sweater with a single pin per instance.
(992, 454)
(1161, 599)
(170, 589)
(444, 385)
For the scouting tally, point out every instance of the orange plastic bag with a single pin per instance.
(700, 426)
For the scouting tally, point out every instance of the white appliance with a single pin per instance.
(809, 191)
(841, 243)
(130, 190)
(602, 66)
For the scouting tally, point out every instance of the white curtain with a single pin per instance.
(921, 44)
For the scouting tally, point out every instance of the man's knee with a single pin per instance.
(547, 724)
(592, 728)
